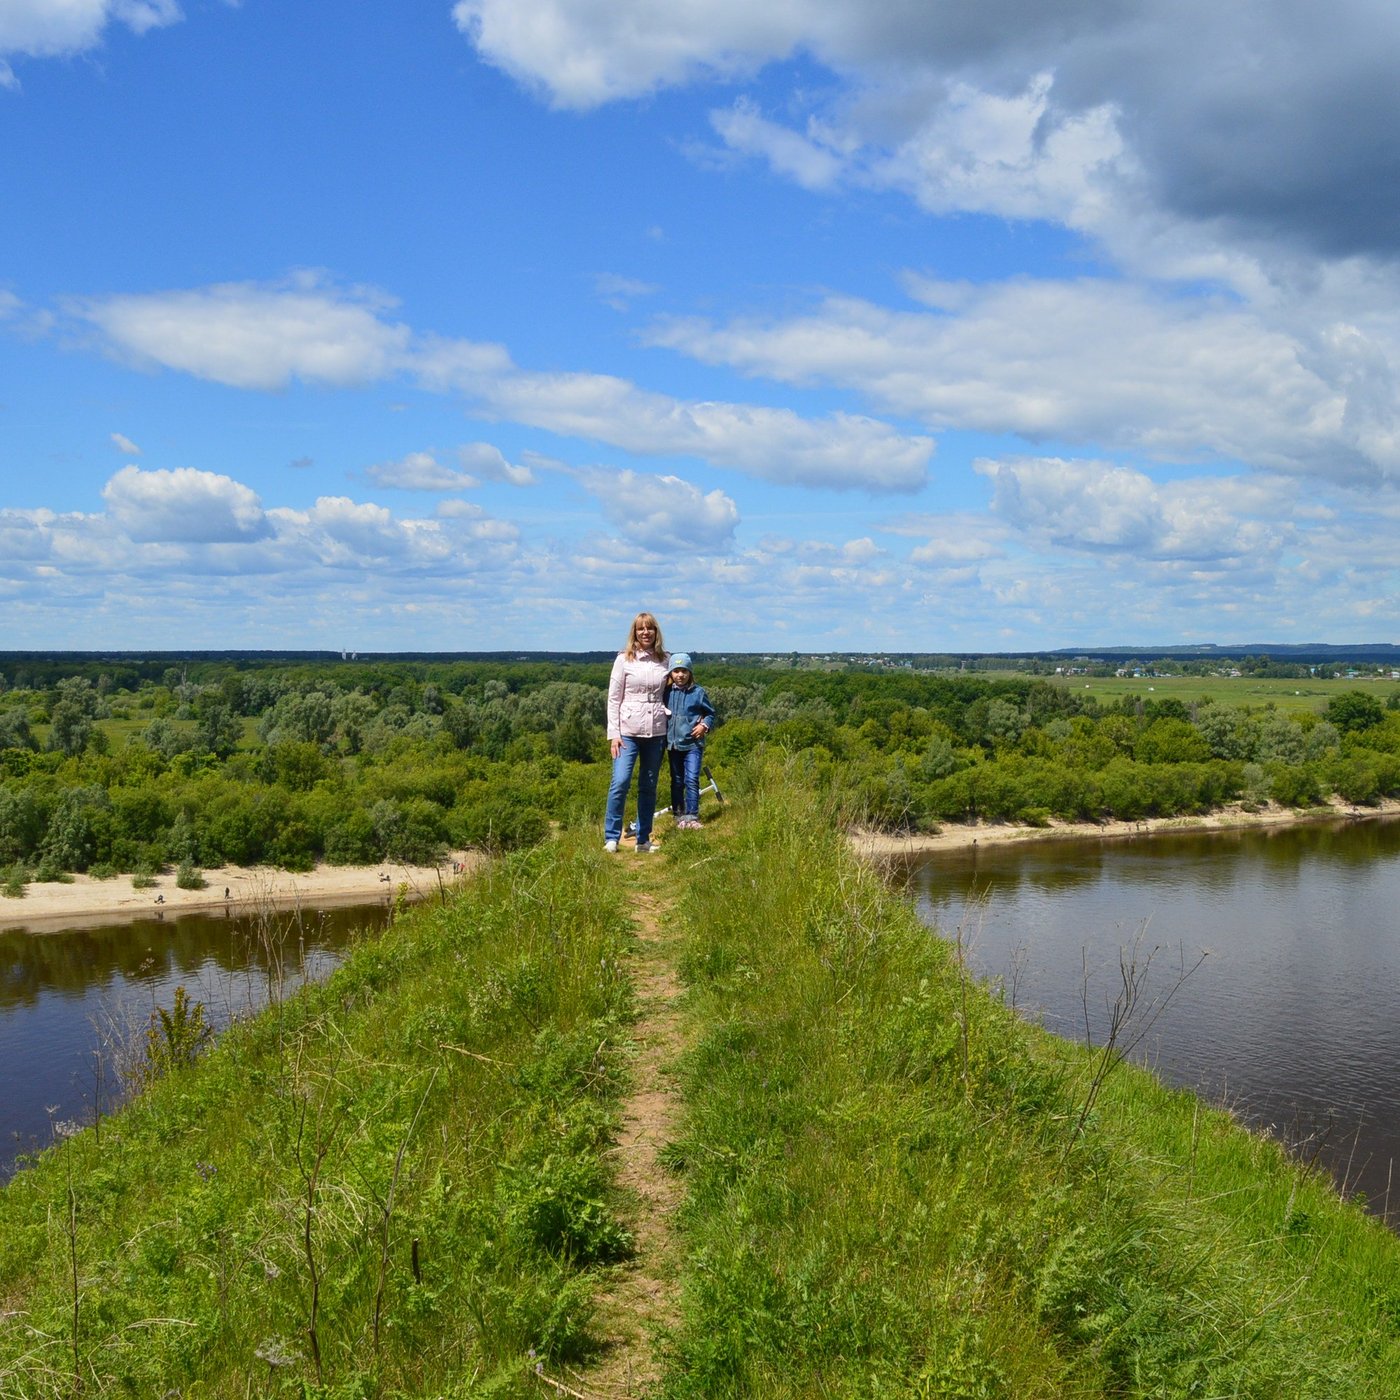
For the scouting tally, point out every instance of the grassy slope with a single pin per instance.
(889, 1196)
(450, 1093)
(886, 1191)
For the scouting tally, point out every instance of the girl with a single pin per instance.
(692, 718)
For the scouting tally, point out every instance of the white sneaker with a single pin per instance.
(610, 847)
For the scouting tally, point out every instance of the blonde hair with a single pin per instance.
(658, 647)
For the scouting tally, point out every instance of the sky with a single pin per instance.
(853, 325)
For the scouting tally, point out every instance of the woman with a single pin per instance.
(636, 728)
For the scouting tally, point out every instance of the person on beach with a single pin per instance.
(636, 728)
(691, 717)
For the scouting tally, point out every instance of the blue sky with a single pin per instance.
(823, 325)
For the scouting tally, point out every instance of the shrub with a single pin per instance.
(173, 1038)
(1294, 786)
(188, 878)
(501, 823)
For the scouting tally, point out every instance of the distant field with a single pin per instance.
(1222, 690)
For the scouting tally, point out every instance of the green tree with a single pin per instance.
(15, 732)
(1228, 731)
(352, 714)
(70, 728)
(298, 765)
(139, 812)
(1004, 721)
(21, 825)
(219, 729)
(1280, 739)
(940, 758)
(182, 843)
(1322, 741)
(1170, 741)
(163, 737)
(78, 822)
(1354, 711)
(577, 738)
(307, 717)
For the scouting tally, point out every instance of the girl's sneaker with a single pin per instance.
(647, 848)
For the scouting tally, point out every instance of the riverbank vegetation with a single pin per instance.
(398, 1184)
(129, 768)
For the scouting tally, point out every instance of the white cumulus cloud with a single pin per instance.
(252, 335)
(801, 156)
(582, 54)
(1095, 360)
(420, 471)
(1100, 507)
(490, 464)
(841, 451)
(1263, 124)
(664, 513)
(49, 28)
(264, 336)
(184, 506)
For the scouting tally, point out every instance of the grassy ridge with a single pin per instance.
(890, 1192)
(391, 1184)
(398, 1184)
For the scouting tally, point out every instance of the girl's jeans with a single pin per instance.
(649, 751)
(685, 780)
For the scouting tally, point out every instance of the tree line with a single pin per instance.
(131, 768)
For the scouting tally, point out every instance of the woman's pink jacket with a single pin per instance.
(635, 707)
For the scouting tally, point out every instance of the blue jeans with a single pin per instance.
(685, 780)
(649, 751)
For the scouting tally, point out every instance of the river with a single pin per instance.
(1292, 1019)
(75, 1003)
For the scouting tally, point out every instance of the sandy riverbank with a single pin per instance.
(49, 907)
(958, 836)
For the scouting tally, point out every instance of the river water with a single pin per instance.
(74, 1003)
(1292, 1020)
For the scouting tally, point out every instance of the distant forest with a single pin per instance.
(131, 763)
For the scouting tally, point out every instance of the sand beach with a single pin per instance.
(52, 906)
(958, 836)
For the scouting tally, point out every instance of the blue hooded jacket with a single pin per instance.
(687, 707)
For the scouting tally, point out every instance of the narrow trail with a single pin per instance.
(641, 1306)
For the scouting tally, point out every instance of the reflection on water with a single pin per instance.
(1292, 1018)
(67, 998)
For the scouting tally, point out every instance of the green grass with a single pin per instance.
(398, 1184)
(888, 1195)
(393, 1184)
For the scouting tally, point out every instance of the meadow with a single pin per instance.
(1297, 696)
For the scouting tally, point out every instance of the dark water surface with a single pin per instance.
(1294, 1018)
(67, 998)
